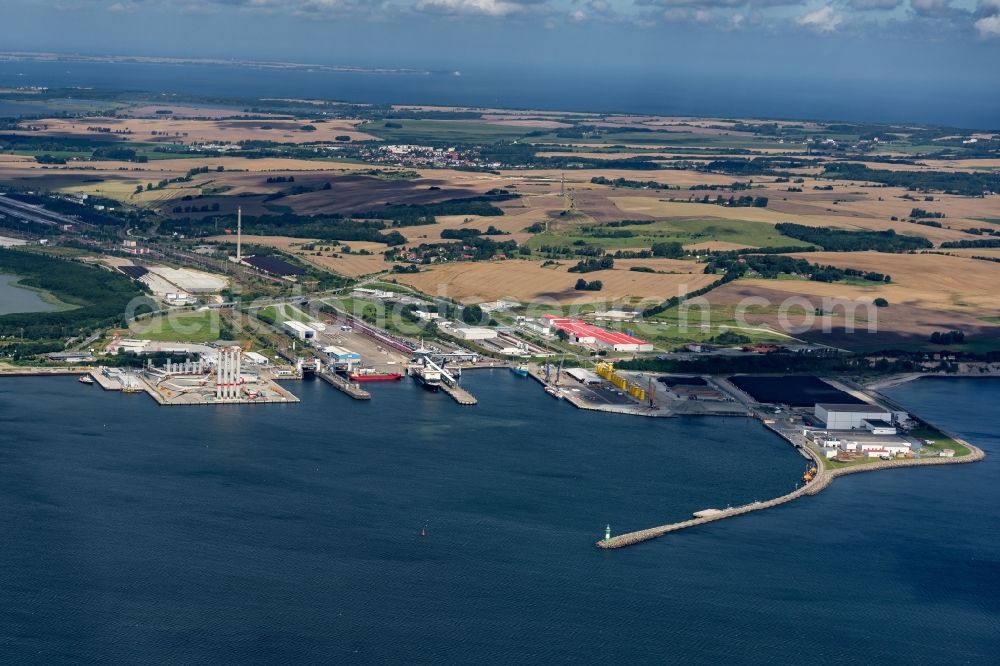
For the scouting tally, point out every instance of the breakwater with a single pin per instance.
(345, 386)
(823, 478)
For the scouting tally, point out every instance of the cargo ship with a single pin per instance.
(372, 375)
(521, 370)
(429, 379)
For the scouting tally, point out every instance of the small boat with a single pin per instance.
(554, 392)
(521, 370)
(86, 379)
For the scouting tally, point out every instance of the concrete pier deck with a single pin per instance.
(21, 371)
(345, 386)
(460, 395)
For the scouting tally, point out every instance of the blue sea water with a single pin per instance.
(274, 534)
(661, 91)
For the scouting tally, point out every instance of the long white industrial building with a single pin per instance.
(299, 330)
(850, 417)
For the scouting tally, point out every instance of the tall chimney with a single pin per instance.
(239, 235)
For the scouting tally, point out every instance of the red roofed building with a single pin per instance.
(583, 333)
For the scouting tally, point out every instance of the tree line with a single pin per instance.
(840, 240)
(953, 182)
(102, 297)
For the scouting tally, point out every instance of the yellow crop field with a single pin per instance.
(528, 281)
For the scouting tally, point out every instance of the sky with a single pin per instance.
(840, 45)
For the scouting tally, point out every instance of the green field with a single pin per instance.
(676, 327)
(191, 327)
(276, 314)
(834, 464)
(686, 232)
(667, 139)
(418, 131)
(941, 441)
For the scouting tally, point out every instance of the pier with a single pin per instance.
(824, 477)
(17, 371)
(345, 386)
(448, 380)
(460, 395)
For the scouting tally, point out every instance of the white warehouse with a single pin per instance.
(474, 333)
(850, 417)
(299, 330)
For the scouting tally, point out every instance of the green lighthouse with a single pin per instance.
(607, 533)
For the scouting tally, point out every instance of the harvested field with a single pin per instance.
(926, 280)
(172, 130)
(900, 324)
(659, 264)
(347, 193)
(351, 265)
(973, 251)
(118, 180)
(351, 194)
(182, 112)
(598, 206)
(518, 215)
(659, 208)
(527, 281)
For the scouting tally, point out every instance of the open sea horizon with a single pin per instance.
(668, 92)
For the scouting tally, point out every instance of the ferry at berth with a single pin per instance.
(429, 378)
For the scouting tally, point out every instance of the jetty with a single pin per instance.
(823, 478)
(25, 371)
(345, 386)
(460, 395)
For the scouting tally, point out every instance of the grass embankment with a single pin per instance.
(277, 314)
(940, 441)
(834, 464)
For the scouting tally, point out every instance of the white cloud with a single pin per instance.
(823, 19)
(487, 7)
(988, 26)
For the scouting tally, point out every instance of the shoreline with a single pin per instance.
(899, 380)
(824, 477)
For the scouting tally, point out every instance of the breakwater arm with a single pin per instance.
(823, 478)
